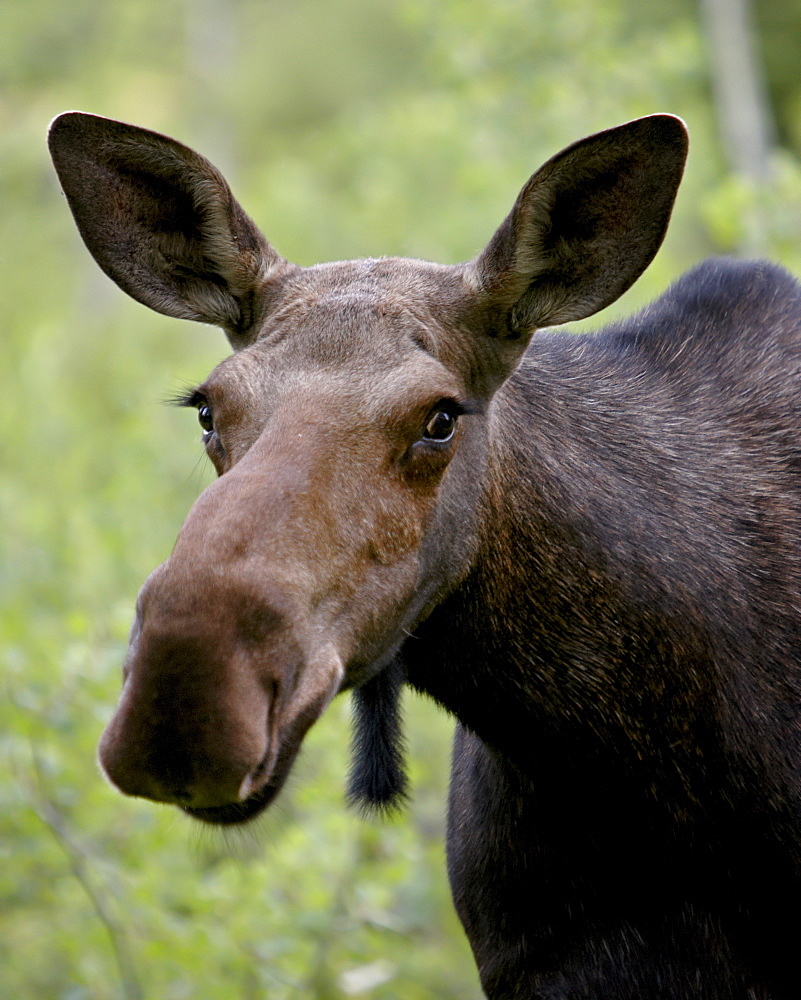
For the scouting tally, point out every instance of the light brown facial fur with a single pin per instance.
(297, 571)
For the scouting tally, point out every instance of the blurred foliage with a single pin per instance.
(349, 129)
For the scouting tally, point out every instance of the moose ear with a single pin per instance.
(161, 221)
(585, 226)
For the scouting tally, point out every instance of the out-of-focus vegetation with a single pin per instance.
(347, 129)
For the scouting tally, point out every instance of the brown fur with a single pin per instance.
(599, 565)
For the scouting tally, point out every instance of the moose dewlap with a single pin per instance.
(586, 547)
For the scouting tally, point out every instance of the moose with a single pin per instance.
(585, 546)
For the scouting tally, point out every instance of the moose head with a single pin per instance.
(354, 432)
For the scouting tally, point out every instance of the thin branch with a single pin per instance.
(78, 862)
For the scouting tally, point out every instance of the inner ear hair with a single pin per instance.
(162, 222)
(584, 227)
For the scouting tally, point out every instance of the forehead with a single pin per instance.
(346, 328)
(335, 312)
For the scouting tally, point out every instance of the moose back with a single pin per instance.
(585, 547)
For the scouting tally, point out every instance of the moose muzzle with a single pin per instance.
(215, 701)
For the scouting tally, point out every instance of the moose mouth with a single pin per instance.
(238, 812)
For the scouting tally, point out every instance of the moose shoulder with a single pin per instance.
(593, 541)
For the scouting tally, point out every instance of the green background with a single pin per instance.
(348, 129)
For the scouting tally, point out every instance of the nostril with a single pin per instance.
(247, 787)
(193, 723)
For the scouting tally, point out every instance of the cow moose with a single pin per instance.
(585, 546)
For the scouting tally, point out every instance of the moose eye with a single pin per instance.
(205, 418)
(441, 425)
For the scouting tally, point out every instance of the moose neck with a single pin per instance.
(565, 619)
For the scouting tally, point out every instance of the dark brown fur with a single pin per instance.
(599, 566)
